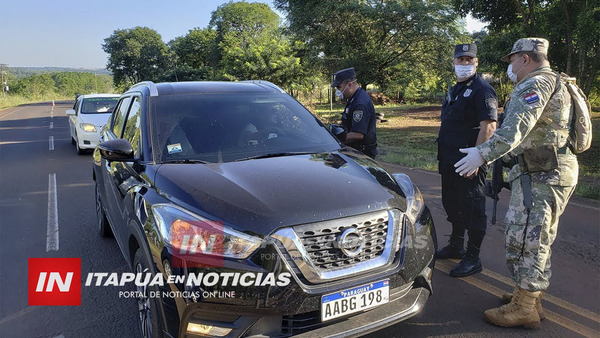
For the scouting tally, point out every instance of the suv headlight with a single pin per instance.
(191, 234)
(414, 199)
(88, 127)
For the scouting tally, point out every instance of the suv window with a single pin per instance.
(132, 130)
(224, 127)
(119, 116)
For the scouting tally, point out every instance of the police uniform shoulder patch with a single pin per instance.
(531, 97)
(491, 103)
(357, 115)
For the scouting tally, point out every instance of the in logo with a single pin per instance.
(54, 281)
(199, 244)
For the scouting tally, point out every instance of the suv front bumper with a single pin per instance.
(405, 301)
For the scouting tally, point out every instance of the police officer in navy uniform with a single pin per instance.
(469, 115)
(359, 114)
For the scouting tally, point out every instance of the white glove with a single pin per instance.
(468, 164)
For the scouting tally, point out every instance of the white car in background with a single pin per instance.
(89, 114)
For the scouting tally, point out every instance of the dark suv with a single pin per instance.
(257, 220)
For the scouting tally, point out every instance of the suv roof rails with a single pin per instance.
(266, 83)
(151, 86)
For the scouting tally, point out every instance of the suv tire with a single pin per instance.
(148, 307)
(103, 226)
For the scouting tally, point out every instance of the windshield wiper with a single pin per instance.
(274, 155)
(186, 161)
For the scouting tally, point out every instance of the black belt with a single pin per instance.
(369, 146)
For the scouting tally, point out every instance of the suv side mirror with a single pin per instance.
(119, 150)
(71, 112)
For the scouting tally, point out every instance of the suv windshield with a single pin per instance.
(219, 128)
(98, 105)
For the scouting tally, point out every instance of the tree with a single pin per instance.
(195, 54)
(571, 26)
(250, 45)
(65, 84)
(374, 36)
(72, 83)
(34, 86)
(135, 55)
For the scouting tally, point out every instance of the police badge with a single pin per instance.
(357, 115)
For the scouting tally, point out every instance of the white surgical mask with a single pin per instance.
(464, 71)
(339, 93)
(513, 76)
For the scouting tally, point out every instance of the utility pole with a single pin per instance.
(4, 72)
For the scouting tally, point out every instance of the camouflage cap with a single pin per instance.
(538, 45)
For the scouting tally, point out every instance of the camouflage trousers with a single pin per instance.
(528, 244)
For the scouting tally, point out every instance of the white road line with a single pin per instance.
(51, 140)
(51, 125)
(52, 232)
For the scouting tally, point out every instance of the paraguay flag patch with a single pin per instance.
(531, 98)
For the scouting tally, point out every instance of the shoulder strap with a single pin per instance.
(547, 119)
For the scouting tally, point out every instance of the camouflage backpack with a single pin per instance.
(580, 130)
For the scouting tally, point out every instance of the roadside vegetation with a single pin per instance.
(402, 48)
(408, 139)
(53, 86)
(589, 163)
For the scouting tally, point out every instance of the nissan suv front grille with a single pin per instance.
(329, 250)
(323, 247)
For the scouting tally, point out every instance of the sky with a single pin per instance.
(70, 33)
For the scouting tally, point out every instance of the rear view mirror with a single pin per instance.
(116, 150)
(70, 112)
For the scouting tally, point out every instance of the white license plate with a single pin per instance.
(354, 300)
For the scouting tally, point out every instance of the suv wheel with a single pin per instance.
(147, 306)
(101, 220)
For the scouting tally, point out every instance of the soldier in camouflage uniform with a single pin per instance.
(542, 177)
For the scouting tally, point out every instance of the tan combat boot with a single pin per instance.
(520, 311)
(507, 297)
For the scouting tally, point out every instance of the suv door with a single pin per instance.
(109, 172)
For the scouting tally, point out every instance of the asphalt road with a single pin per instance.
(35, 146)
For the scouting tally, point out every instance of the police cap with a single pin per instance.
(342, 75)
(467, 49)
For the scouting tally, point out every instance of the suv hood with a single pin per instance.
(261, 195)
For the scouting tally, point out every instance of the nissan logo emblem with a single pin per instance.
(351, 242)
